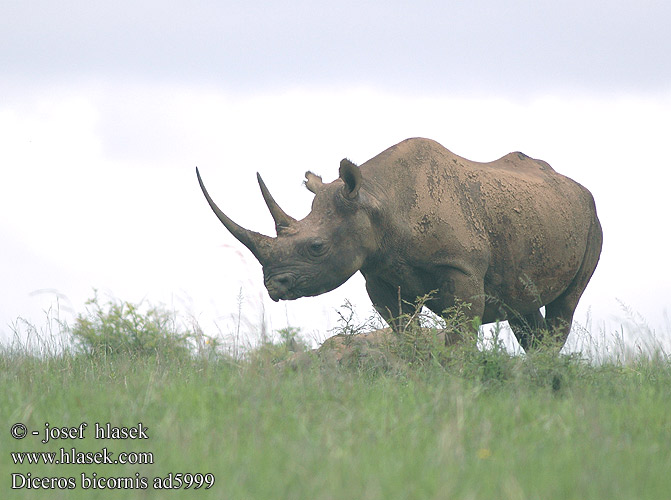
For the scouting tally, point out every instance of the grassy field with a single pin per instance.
(484, 426)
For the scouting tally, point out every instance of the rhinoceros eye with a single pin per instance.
(317, 247)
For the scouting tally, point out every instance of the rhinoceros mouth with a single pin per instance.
(286, 296)
(277, 295)
(282, 287)
(291, 287)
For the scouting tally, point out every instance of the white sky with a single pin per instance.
(106, 110)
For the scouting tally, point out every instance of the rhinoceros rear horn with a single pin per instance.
(282, 220)
(259, 244)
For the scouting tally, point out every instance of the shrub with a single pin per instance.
(119, 327)
(421, 339)
(270, 352)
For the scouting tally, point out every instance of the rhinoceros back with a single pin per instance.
(515, 215)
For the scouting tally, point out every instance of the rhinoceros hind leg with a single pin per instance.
(559, 313)
(528, 329)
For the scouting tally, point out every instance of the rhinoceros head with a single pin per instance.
(319, 253)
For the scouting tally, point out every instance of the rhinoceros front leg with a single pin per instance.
(460, 287)
(456, 286)
(389, 301)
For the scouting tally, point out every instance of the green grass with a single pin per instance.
(414, 420)
(328, 432)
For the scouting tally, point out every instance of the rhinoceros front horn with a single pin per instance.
(259, 244)
(282, 220)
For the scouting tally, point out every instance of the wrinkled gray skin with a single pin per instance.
(508, 236)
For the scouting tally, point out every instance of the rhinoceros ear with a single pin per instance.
(313, 182)
(351, 176)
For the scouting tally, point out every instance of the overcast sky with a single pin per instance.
(106, 108)
(481, 46)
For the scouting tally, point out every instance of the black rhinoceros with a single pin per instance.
(508, 237)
